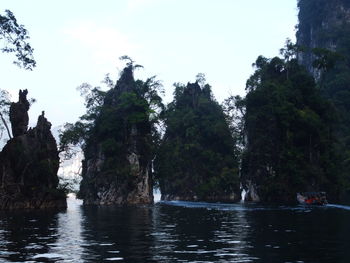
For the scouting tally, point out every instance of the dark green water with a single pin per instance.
(177, 232)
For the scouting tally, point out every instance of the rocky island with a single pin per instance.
(29, 163)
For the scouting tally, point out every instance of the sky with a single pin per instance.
(80, 41)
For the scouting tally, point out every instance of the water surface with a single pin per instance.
(177, 232)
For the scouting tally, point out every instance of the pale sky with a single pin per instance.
(80, 41)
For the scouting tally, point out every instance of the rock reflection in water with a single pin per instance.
(25, 235)
(163, 233)
(177, 232)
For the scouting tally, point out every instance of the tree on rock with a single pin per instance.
(289, 133)
(118, 139)
(197, 158)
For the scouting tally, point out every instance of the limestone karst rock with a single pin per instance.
(29, 163)
(323, 35)
(322, 24)
(117, 165)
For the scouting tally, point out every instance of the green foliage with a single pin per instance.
(197, 155)
(118, 121)
(14, 37)
(325, 59)
(130, 62)
(327, 24)
(73, 137)
(289, 51)
(288, 126)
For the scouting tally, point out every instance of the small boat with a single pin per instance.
(312, 198)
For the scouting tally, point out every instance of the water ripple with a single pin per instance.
(177, 232)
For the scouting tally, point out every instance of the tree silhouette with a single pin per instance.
(15, 38)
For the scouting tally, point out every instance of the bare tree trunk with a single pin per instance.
(6, 126)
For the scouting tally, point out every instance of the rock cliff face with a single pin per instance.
(321, 25)
(325, 24)
(117, 165)
(29, 163)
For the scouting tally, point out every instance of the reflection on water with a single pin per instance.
(69, 244)
(25, 235)
(117, 233)
(199, 235)
(177, 232)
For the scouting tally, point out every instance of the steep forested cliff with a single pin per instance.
(289, 134)
(292, 128)
(197, 158)
(324, 37)
(297, 117)
(119, 136)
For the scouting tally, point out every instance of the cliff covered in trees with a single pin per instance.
(117, 165)
(324, 39)
(289, 134)
(196, 158)
(118, 134)
(29, 163)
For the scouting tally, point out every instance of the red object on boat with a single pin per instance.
(312, 198)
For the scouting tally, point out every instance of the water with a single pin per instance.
(177, 232)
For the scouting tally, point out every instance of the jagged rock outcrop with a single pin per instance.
(117, 165)
(19, 114)
(29, 163)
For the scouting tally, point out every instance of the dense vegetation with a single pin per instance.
(134, 102)
(197, 158)
(117, 134)
(289, 132)
(324, 27)
(282, 134)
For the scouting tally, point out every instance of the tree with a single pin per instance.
(15, 38)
